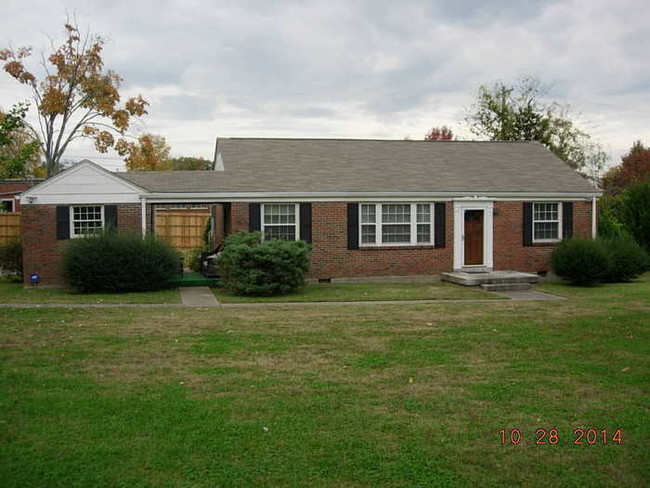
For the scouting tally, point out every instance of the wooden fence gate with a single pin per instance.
(182, 230)
(9, 227)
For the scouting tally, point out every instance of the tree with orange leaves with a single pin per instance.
(634, 168)
(76, 97)
(150, 153)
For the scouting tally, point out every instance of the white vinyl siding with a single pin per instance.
(280, 221)
(86, 220)
(396, 224)
(547, 222)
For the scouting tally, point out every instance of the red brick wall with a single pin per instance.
(509, 251)
(332, 259)
(330, 256)
(42, 250)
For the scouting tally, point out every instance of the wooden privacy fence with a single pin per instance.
(9, 227)
(182, 230)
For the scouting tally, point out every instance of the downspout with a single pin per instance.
(594, 215)
(143, 216)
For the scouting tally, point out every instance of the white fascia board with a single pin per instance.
(271, 197)
(71, 199)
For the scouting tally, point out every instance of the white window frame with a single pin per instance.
(296, 223)
(413, 225)
(558, 222)
(12, 202)
(73, 234)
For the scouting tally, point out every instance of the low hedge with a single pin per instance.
(250, 266)
(626, 259)
(117, 262)
(589, 261)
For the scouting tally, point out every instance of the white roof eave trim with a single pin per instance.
(170, 197)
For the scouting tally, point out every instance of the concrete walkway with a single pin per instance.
(202, 297)
(198, 296)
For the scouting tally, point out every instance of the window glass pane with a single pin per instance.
(279, 214)
(424, 233)
(424, 213)
(286, 232)
(86, 220)
(546, 230)
(545, 211)
(368, 215)
(396, 233)
(368, 235)
(396, 213)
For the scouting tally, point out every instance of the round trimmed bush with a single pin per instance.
(581, 261)
(250, 266)
(117, 262)
(626, 259)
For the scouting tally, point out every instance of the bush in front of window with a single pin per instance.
(626, 259)
(250, 266)
(11, 258)
(581, 261)
(117, 262)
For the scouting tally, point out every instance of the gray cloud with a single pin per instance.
(364, 68)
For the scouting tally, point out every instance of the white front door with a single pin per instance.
(473, 234)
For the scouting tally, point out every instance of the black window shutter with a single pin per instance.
(567, 219)
(254, 217)
(353, 226)
(110, 217)
(62, 222)
(528, 223)
(305, 222)
(439, 224)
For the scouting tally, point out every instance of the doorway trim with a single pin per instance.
(460, 207)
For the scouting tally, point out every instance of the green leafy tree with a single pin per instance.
(75, 97)
(188, 163)
(520, 113)
(635, 212)
(19, 150)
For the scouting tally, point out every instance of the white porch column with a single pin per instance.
(594, 216)
(143, 215)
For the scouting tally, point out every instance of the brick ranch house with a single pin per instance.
(368, 207)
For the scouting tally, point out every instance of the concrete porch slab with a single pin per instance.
(492, 277)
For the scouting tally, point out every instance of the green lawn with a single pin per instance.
(16, 293)
(353, 396)
(353, 292)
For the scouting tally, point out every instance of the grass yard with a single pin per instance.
(391, 395)
(354, 292)
(16, 293)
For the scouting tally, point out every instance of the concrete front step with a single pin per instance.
(506, 286)
(492, 277)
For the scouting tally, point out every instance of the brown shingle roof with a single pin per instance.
(331, 165)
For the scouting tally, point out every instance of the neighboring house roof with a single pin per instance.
(340, 166)
(17, 186)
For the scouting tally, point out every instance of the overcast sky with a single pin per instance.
(350, 69)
